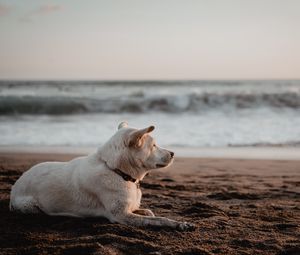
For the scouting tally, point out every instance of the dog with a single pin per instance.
(103, 184)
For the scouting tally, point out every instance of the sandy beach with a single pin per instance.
(214, 85)
(238, 207)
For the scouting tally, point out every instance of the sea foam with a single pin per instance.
(187, 114)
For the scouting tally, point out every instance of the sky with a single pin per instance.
(149, 39)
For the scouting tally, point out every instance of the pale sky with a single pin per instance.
(149, 39)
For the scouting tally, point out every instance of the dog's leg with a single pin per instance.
(25, 204)
(139, 220)
(145, 212)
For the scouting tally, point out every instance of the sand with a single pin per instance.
(238, 206)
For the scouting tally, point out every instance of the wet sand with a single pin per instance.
(238, 206)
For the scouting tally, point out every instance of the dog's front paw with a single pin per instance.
(185, 226)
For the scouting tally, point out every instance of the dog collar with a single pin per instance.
(126, 177)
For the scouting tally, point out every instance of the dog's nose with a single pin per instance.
(172, 154)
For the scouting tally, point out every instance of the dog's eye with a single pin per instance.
(154, 145)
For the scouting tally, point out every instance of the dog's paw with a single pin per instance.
(145, 212)
(185, 226)
(148, 212)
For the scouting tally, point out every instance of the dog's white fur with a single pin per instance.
(88, 187)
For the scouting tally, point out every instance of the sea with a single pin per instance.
(187, 114)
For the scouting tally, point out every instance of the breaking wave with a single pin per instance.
(140, 103)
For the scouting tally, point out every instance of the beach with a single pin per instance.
(212, 87)
(239, 206)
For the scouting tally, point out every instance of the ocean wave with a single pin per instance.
(140, 103)
(267, 144)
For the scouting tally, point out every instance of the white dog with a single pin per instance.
(105, 183)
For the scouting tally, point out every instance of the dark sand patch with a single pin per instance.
(238, 206)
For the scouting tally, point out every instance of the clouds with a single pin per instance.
(159, 39)
(4, 9)
(46, 9)
(43, 10)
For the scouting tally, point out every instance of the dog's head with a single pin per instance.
(134, 151)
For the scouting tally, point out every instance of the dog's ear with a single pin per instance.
(136, 136)
(123, 124)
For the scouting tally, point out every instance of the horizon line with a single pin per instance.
(146, 80)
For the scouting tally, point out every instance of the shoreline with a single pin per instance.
(255, 153)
